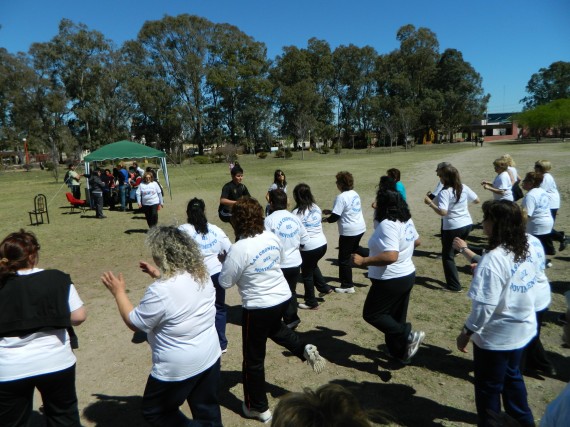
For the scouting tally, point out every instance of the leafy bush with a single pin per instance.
(27, 166)
(337, 147)
(262, 154)
(202, 160)
(280, 154)
(49, 166)
(325, 149)
(288, 153)
(218, 158)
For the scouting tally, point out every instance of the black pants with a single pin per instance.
(162, 400)
(58, 396)
(97, 200)
(555, 235)
(311, 274)
(291, 275)
(347, 245)
(386, 308)
(151, 215)
(448, 255)
(257, 326)
(76, 191)
(547, 245)
(534, 356)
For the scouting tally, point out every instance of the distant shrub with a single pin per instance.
(49, 166)
(288, 153)
(325, 149)
(27, 166)
(280, 154)
(218, 158)
(337, 147)
(202, 160)
(262, 154)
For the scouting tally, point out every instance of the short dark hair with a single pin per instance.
(278, 199)
(236, 170)
(345, 180)
(394, 174)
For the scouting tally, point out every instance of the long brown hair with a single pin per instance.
(450, 178)
(508, 227)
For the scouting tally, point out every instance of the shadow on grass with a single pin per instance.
(430, 283)
(398, 403)
(115, 411)
(559, 287)
(136, 230)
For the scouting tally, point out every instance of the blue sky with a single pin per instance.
(506, 41)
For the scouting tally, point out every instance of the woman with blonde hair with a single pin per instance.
(514, 176)
(178, 313)
(501, 185)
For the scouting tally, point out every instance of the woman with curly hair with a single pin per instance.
(502, 320)
(392, 272)
(347, 212)
(254, 265)
(452, 204)
(178, 313)
(37, 309)
(212, 241)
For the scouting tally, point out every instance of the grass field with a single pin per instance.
(435, 390)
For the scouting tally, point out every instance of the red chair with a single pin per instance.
(76, 203)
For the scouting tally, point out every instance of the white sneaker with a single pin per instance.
(549, 264)
(314, 359)
(413, 345)
(264, 417)
(344, 290)
(304, 306)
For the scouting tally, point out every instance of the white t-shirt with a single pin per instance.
(312, 221)
(457, 211)
(348, 207)
(549, 185)
(292, 234)
(537, 206)
(393, 236)
(507, 286)
(149, 194)
(542, 287)
(274, 186)
(503, 182)
(513, 172)
(178, 314)
(38, 353)
(210, 244)
(254, 264)
(437, 189)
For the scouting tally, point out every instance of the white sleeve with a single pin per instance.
(231, 271)
(74, 300)
(528, 204)
(149, 312)
(443, 199)
(338, 207)
(479, 316)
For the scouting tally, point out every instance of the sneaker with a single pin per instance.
(330, 291)
(413, 345)
(314, 359)
(303, 306)
(548, 264)
(345, 290)
(563, 243)
(225, 350)
(264, 416)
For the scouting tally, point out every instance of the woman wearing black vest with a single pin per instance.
(36, 308)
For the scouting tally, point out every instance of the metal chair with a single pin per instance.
(40, 208)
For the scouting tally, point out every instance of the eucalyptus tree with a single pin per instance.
(354, 85)
(176, 51)
(548, 85)
(238, 85)
(462, 96)
(303, 91)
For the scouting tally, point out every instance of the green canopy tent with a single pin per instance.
(128, 150)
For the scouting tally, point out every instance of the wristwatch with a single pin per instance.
(461, 250)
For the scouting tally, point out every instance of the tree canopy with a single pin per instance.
(186, 79)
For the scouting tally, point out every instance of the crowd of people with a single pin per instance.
(183, 311)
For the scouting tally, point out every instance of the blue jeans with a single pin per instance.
(221, 311)
(123, 194)
(162, 400)
(497, 375)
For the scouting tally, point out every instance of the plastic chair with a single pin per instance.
(40, 208)
(76, 203)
